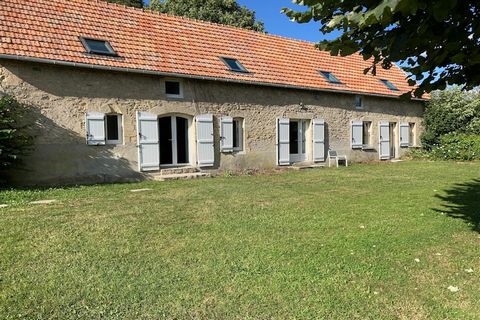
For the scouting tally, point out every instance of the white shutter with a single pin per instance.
(318, 140)
(226, 135)
(148, 144)
(384, 140)
(404, 134)
(95, 126)
(357, 134)
(283, 141)
(205, 146)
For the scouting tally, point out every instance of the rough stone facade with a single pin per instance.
(58, 98)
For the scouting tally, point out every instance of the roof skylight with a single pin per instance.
(389, 85)
(234, 64)
(96, 46)
(330, 77)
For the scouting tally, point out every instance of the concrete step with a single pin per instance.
(178, 170)
(308, 166)
(178, 176)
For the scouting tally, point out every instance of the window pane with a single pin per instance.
(234, 64)
(166, 141)
(112, 127)
(304, 136)
(172, 88)
(389, 85)
(182, 140)
(98, 46)
(358, 102)
(366, 133)
(330, 77)
(294, 137)
(235, 133)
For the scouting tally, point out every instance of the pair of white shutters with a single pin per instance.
(283, 141)
(384, 138)
(149, 146)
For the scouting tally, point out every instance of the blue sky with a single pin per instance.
(276, 22)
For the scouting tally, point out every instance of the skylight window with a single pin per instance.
(330, 77)
(95, 46)
(389, 85)
(234, 65)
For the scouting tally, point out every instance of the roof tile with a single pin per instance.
(157, 42)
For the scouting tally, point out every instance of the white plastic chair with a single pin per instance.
(333, 155)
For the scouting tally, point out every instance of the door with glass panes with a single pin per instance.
(173, 140)
(298, 139)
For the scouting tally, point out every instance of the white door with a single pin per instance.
(384, 140)
(174, 141)
(318, 140)
(148, 146)
(297, 134)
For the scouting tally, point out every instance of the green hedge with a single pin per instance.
(463, 147)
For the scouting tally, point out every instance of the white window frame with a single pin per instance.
(358, 107)
(368, 145)
(120, 128)
(240, 123)
(173, 96)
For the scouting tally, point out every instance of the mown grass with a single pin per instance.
(327, 243)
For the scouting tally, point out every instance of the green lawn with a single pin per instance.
(325, 243)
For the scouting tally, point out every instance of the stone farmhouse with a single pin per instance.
(117, 93)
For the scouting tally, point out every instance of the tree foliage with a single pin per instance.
(436, 41)
(227, 12)
(129, 3)
(14, 141)
(451, 111)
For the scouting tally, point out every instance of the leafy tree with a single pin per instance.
(227, 12)
(129, 3)
(436, 41)
(451, 111)
(14, 142)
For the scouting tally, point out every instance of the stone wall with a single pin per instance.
(58, 98)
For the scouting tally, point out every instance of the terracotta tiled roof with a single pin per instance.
(153, 42)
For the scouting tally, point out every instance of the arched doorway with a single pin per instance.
(173, 140)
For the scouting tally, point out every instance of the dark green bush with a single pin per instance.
(14, 141)
(451, 111)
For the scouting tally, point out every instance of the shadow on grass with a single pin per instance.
(462, 201)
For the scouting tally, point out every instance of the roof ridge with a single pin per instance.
(154, 12)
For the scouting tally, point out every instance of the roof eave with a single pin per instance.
(188, 76)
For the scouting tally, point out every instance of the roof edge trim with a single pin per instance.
(188, 76)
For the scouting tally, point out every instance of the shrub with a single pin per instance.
(14, 141)
(458, 147)
(451, 111)
(452, 146)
